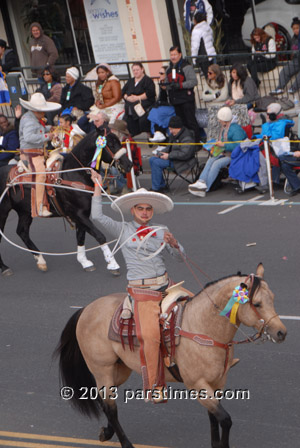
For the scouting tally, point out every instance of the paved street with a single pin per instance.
(35, 307)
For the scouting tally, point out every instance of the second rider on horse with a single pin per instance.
(143, 273)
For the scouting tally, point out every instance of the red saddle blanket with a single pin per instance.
(124, 331)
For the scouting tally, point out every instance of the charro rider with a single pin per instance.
(34, 135)
(142, 272)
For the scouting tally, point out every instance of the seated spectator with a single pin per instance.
(139, 89)
(287, 162)
(292, 67)
(9, 140)
(260, 62)
(161, 112)
(220, 153)
(215, 87)
(108, 93)
(51, 89)
(67, 134)
(75, 97)
(179, 157)
(202, 42)
(8, 59)
(242, 89)
(215, 91)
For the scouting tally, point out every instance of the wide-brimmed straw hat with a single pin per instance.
(160, 202)
(37, 103)
(121, 126)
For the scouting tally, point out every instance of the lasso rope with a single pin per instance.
(116, 247)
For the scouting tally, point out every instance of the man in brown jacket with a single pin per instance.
(43, 52)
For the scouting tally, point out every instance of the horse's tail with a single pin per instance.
(75, 376)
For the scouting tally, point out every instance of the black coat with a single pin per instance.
(9, 61)
(81, 96)
(146, 85)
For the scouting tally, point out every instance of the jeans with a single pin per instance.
(212, 169)
(289, 70)
(157, 167)
(287, 162)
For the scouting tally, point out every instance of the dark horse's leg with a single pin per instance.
(222, 418)
(111, 413)
(83, 225)
(81, 257)
(4, 211)
(24, 224)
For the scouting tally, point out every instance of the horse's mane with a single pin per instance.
(213, 282)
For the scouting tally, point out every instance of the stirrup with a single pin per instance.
(44, 212)
(126, 314)
(23, 167)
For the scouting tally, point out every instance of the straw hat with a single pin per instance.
(121, 126)
(37, 103)
(160, 202)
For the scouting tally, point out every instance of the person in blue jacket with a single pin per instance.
(220, 153)
(9, 140)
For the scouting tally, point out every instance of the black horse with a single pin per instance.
(75, 204)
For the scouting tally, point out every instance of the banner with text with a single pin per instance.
(106, 33)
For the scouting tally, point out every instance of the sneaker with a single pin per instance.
(201, 193)
(198, 185)
(158, 137)
(276, 92)
(292, 91)
(158, 150)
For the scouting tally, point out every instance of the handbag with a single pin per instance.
(139, 110)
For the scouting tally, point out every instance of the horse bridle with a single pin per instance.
(254, 284)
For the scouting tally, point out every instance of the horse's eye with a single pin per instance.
(257, 305)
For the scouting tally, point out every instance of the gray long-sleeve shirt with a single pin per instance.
(137, 268)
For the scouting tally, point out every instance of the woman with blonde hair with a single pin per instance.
(261, 62)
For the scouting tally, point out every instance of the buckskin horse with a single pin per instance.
(74, 204)
(89, 360)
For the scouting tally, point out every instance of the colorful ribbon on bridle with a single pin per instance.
(100, 144)
(239, 296)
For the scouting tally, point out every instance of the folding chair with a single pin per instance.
(190, 175)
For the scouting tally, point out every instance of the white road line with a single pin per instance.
(274, 202)
(240, 204)
(289, 317)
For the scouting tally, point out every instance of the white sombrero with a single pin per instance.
(160, 202)
(37, 103)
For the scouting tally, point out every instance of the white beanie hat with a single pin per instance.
(225, 114)
(74, 72)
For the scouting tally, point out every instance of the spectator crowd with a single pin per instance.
(223, 127)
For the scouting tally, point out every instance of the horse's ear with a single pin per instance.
(260, 270)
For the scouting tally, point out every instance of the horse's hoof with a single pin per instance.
(115, 272)
(106, 434)
(7, 272)
(90, 268)
(42, 267)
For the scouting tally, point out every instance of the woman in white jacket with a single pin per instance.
(202, 42)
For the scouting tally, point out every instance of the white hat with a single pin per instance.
(74, 72)
(225, 114)
(274, 108)
(37, 103)
(160, 202)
